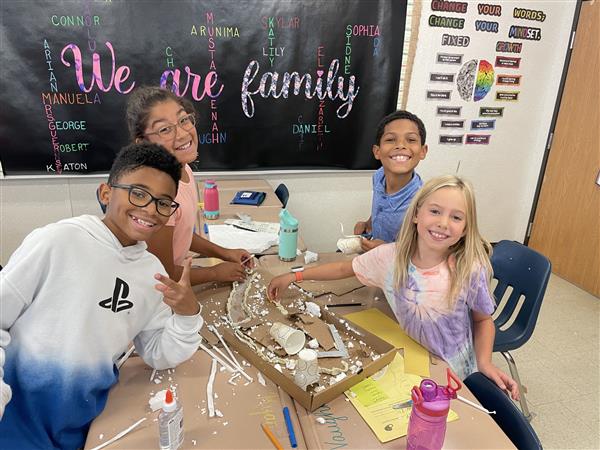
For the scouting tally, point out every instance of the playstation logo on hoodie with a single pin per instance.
(117, 302)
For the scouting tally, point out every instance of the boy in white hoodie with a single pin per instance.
(77, 292)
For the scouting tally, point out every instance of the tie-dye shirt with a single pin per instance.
(421, 307)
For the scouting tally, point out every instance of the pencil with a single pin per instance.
(271, 436)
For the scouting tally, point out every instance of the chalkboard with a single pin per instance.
(276, 84)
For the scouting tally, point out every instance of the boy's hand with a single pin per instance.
(368, 244)
(503, 380)
(229, 271)
(278, 284)
(361, 227)
(240, 256)
(179, 295)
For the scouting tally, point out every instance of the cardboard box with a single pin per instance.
(215, 307)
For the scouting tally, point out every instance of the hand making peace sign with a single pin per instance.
(179, 295)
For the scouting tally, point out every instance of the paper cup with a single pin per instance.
(291, 339)
(307, 369)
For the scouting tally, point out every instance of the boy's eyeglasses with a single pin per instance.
(141, 197)
(186, 123)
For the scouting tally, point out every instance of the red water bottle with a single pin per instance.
(211, 200)
(431, 404)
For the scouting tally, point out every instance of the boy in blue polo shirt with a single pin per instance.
(400, 146)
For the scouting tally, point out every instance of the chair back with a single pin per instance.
(282, 194)
(508, 417)
(527, 272)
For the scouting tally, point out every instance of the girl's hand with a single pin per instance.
(503, 380)
(369, 244)
(229, 271)
(240, 256)
(278, 284)
(179, 295)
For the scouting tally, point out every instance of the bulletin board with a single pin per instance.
(486, 78)
(276, 84)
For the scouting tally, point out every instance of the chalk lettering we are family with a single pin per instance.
(120, 79)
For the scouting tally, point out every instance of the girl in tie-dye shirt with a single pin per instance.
(435, 277)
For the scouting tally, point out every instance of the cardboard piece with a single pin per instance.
(316, 288)
(380, 352)
(320, 331)
(244, 408)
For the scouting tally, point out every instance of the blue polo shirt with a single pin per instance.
(388, 211)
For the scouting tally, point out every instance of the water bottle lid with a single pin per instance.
(210, 184)
(436, 408)
(286, 220)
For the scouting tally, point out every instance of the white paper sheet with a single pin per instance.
(229, 237)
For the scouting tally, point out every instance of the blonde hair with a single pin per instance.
(471, 252)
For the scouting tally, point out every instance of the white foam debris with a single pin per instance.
(101, 436)
(290, 364)
(321, 420)
(218, 413)
(278, 367)
(261, 379)
(313, 343)
(194, 442)
(157, 400)
(376, 298)
(313, 309)
(359, 363)
(310, 257)
(350, 344)
(225, 423)
(157, 380)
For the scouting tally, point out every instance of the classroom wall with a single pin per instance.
(319, 201)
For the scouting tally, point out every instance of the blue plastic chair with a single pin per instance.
(282, 194)
(527, 272)
(508, 417)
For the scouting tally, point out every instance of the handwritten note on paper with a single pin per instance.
(378, 410)
(416, 357)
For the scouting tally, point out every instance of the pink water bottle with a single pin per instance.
(211, 200)
(427, 423)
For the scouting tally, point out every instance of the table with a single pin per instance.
(268, 211)
(244, 407)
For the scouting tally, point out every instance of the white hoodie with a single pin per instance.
(71, 300)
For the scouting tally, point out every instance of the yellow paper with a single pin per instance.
(386, 421)
(416, 357)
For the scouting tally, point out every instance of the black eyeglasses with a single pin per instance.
(141, 197)
(187, 123)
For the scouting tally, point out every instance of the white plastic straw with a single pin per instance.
(210, 399)
(120, 435)
(227, 366)
(474, 405)
(125, 356)
(234, 359)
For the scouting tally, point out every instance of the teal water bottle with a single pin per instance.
(288, 236)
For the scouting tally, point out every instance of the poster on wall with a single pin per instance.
(486, 82)
(275, 84)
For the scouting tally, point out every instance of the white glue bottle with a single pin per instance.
(170, 424)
